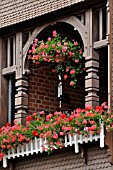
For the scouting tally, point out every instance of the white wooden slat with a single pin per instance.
(41, 143)
(65, 144)
(90, 138)
(4, 161)
(22, 149)
(85, 139)
(9, 153)
(18, 151)
(102, 136)
(45, 145)
(76, 143)
(27, 150)
(36, 145)
(95, 138)
(81, 139)
(31, 148)
(70, 139)
(13, 152)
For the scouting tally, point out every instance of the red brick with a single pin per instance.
(31, 100)
(43, 90)
(47, 107)
(41, 97)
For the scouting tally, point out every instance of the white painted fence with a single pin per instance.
(35, 146)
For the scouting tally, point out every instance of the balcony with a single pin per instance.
(36, 145)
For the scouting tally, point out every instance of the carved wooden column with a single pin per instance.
(21, 98)
(92, 63)
(3, 86)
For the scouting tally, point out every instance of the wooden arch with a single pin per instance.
(74, 21)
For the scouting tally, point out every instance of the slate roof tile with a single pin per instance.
(12, 12)
(66, 159)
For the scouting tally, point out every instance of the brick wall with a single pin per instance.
(43, 87)
(42, 90)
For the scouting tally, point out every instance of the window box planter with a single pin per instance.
(35, 146)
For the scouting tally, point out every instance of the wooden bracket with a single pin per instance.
(84, 152)
(109, 143)
(11, 165)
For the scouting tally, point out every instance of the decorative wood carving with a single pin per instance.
(21, 98)
(92, 64)
(74, 21)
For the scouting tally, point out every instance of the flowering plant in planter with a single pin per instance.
(54, 126)
(61, 51)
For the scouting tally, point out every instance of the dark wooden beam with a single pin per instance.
(109, 135)
(3, 87)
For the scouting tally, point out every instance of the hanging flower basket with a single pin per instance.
(60, 51)
(59, 59)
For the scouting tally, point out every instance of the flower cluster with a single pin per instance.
(53, 127)
(61, 51)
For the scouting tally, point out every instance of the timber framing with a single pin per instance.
(83, 18)
(109, 135)
(100, 44)
(85, 28)
(3, 88)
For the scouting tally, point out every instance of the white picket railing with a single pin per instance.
(35, 146)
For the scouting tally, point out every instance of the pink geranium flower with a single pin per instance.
(72, 71)
(49, 39)
(35, 40)
(65, 76)
(72, 83)
(76, 43)
(54, 33)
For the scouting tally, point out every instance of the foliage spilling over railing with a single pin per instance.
(37, 145)
(82, 123)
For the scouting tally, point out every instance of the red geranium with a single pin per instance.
(64, 116)
(29, 118)
(1, 155)
(34, 133)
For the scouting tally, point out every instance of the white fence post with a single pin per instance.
(76, 143)
(4, 161)
(102, 136)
